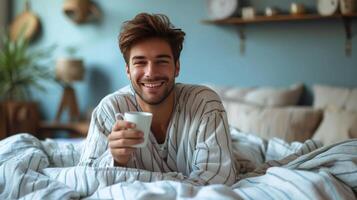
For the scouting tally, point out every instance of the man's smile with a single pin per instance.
(152, 84)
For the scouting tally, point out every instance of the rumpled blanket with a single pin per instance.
(34, 169)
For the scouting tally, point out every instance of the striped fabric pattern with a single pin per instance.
(329, 172)
(33, 169)
(197, 145)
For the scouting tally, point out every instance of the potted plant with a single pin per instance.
(20, 71)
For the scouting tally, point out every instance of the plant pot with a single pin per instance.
(20, 117)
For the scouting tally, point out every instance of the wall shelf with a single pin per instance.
(277, 18)
(238, 21)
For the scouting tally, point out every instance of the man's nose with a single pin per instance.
(150, 69)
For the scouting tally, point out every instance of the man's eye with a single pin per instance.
(139, 63)
(162, 61)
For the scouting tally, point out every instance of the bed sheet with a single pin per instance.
(34, 169)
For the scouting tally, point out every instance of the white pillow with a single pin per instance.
(295, 123)
(336, 126)
(270, 96)
(263, 96)
(237, 93)
(335, 97)
(230, 93)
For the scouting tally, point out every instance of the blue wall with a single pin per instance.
(278, 54)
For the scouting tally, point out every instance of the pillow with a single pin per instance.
(237, 93)
(351, 103)
(231, 93)
(337, 126)
(269, 96)
(288, 123)
(263, 96)
(335, 97)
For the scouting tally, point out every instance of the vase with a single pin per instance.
(347, 6)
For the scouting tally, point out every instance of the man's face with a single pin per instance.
(152, 70)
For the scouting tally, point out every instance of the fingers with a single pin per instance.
(119, 152)
(121, 125)
(124, 143)
(126, 134)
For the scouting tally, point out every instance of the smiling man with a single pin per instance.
(189, 131)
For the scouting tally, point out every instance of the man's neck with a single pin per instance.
(161, 115)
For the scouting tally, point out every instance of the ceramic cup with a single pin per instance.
(347, 6)
(248, 13)
(142, 121)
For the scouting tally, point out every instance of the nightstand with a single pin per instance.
(75, 129)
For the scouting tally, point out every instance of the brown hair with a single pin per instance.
(145, 26)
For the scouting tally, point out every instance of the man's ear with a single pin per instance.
(177, 68)
(127, 69)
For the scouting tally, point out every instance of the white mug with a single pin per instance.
(347, 6)
(248, 13)
(142, 121)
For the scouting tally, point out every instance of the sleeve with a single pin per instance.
(212, 159)
(95, 151)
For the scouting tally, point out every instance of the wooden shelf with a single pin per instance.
(277, 18)
(239, 22)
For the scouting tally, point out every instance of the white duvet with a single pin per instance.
(33, 169)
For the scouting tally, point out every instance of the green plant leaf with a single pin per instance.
(20, 69)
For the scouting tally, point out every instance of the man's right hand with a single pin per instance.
(121, 139)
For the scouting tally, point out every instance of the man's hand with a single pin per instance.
(121, 139)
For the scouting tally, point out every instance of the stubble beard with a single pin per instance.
(164, 96)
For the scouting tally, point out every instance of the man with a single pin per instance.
(189, 131)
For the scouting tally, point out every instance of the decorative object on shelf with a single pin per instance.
(19, 72)
(327, 7)
(69, 70)
(347, 6)
(27, 23)
(297, 8)
(222, 9)
(248, 13)
(271, 11)
(81, 11)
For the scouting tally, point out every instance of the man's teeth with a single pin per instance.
(153, 85)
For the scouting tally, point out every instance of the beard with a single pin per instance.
(169, 87)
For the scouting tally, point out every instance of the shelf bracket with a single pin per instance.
(242, 39)
(348, 32)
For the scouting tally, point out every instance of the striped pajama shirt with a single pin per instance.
(197, 144)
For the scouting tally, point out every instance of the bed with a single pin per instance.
(287, 165)
(268, 169)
